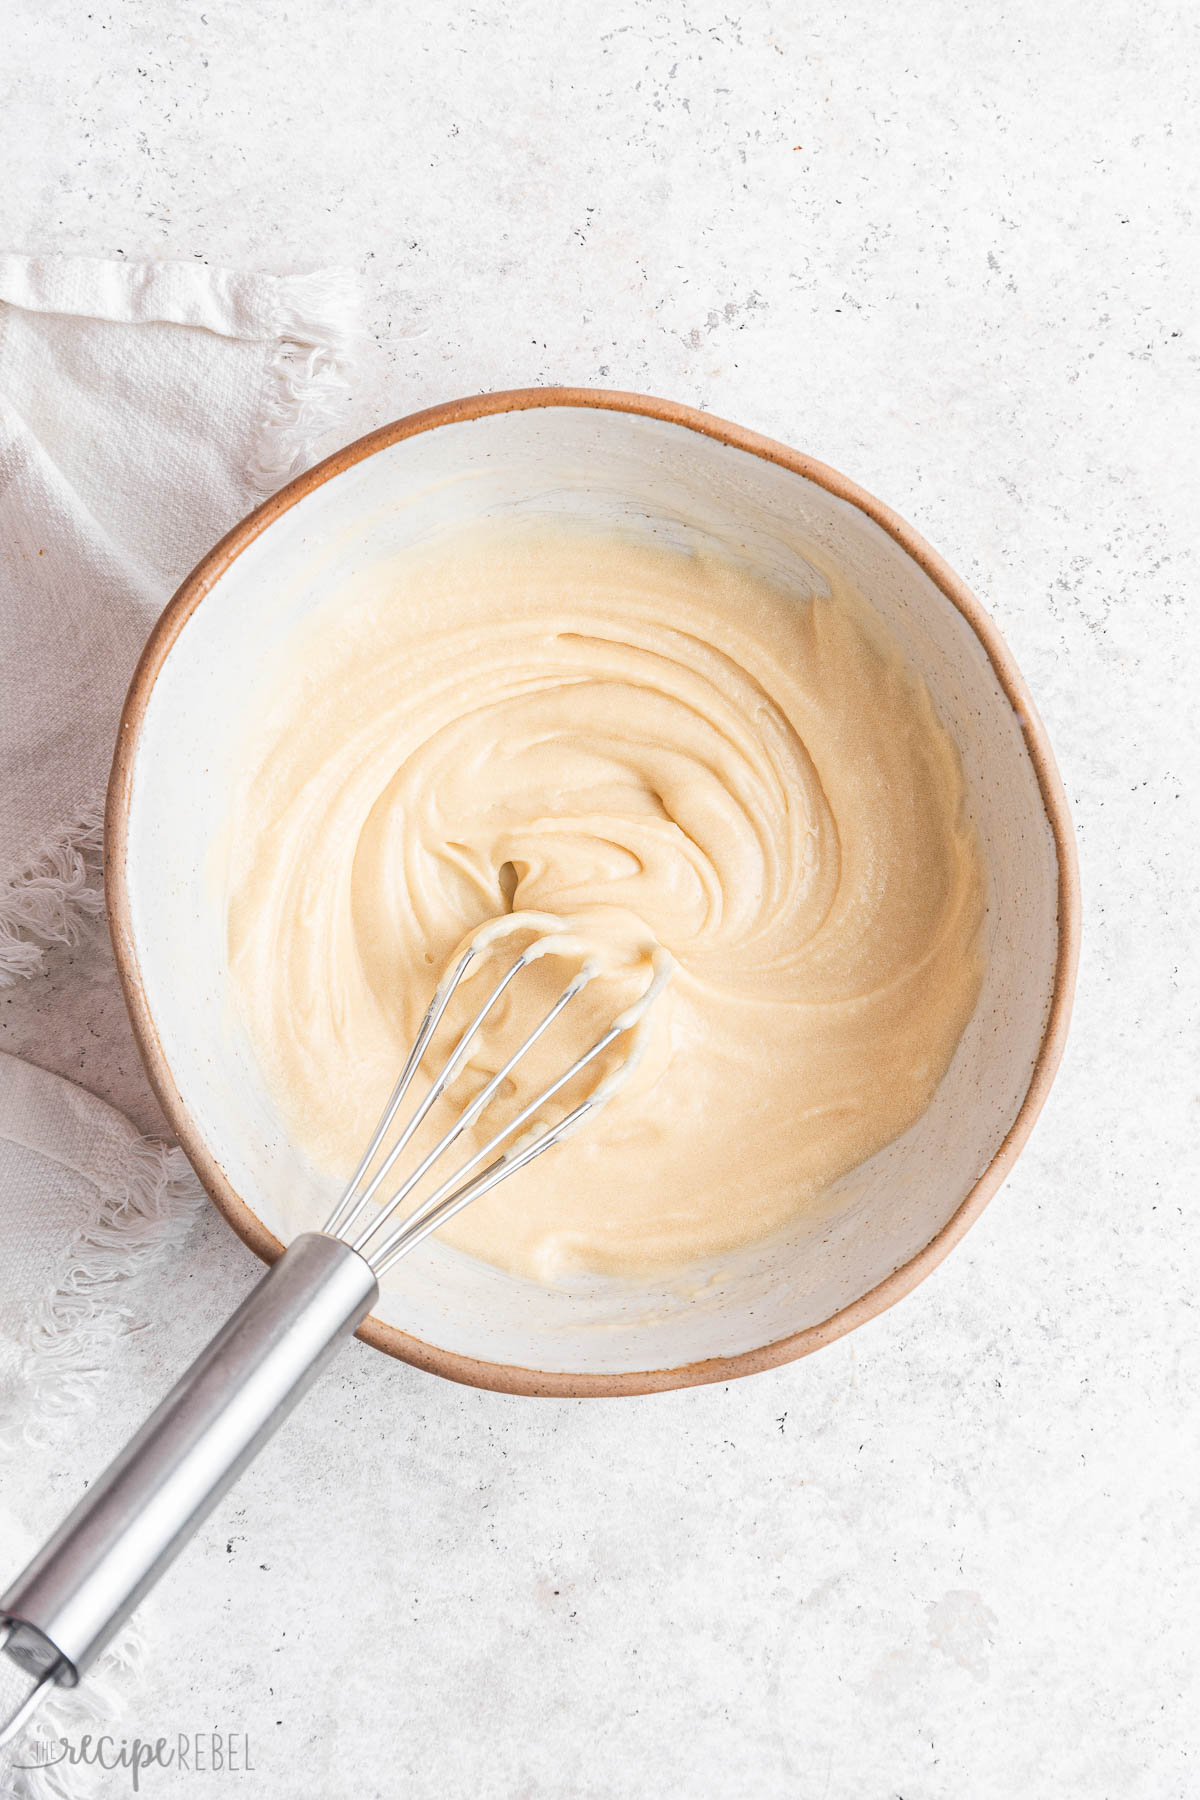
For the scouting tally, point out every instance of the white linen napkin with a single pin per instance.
(89, 1209)
(144, 409)
(86, 1207)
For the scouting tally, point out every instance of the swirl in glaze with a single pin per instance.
(662, 744)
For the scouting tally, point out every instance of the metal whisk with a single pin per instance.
(111, 1549)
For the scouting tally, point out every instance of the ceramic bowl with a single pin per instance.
(679, 476)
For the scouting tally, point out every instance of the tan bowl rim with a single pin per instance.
(499, 1376)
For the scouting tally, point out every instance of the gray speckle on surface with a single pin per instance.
(951, 251)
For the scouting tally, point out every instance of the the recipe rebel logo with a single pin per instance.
(194, 1752)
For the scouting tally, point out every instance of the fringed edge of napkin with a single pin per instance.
(146, 1207)
(53, 898)
(308, 377)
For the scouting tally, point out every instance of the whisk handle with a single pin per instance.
(122, 1535)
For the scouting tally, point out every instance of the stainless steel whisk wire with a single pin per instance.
(135, 1518)
(450, 1197)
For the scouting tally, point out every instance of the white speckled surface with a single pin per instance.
(956, 1554)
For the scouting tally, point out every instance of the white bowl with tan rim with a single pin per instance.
(670, 473)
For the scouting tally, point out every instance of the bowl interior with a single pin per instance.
(659, 479)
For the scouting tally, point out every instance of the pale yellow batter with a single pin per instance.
(666, 748)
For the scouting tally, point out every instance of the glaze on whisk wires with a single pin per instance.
(383, 1249)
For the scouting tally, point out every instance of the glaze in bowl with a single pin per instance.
(675, 476)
